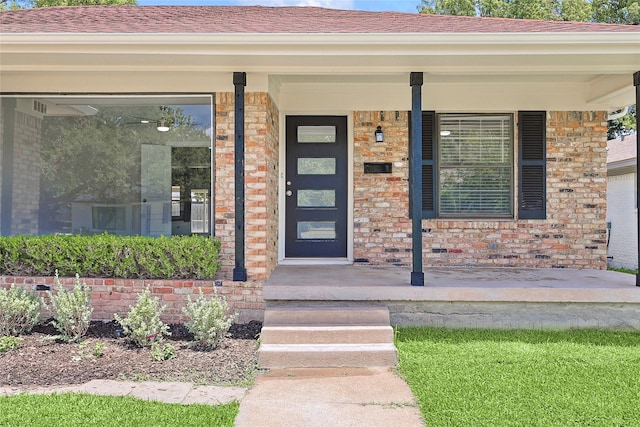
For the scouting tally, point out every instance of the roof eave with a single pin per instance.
(553, 38)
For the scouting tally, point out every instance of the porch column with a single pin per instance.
(417, 275)
(636, 83)
(239, 82)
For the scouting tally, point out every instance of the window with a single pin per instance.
(468, 165)
(90, 164)
(475, 159)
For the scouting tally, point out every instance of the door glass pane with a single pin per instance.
(316, 134)
(310, 230)
(314, 166)
(317, 198)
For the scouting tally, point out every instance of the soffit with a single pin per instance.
(602, 62)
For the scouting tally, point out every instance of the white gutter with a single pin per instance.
(449, 39)
(615, 116)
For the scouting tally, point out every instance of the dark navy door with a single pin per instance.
(316, 187)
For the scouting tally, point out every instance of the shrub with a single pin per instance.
(19, 311)
(143, 324)
(71, 310)
(162, 352)
(107, 255)
(207, 319)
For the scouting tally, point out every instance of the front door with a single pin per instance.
(316, 187)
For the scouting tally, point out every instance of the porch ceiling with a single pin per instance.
(601, 62)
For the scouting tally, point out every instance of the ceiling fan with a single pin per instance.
(161, 125)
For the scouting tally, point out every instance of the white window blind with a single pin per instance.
(475, 164)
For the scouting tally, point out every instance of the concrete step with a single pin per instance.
(307, 334)
(321, 315)
(326, 355)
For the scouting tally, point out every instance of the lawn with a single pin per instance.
(74, 409)
(523, 378)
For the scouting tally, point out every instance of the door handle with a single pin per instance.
(289, 193)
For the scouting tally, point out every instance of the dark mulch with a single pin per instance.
(41, 360)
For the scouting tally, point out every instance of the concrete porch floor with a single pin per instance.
(469, 297)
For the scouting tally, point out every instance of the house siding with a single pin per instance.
(572, 236)
(622, 213)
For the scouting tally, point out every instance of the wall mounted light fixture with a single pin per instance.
(379, 134)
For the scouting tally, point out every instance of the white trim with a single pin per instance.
(282, 189)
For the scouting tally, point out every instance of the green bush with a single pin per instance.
(207, 319)
(71, 310)
(107, 255)
(19, 311)
(143, 324)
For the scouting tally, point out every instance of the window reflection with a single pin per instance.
(95, 164)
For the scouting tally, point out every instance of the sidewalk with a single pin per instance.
(167, 392)
(329, 397)
(287, 397)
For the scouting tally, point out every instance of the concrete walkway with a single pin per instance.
(167, 392)
(329, 397)
(288, 397)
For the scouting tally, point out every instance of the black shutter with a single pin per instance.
(429, 164)
(532, 131)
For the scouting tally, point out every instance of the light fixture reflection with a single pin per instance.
(162, 127)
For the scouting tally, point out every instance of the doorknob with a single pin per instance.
(289, 193)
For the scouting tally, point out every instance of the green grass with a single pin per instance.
(623, 270)
(523, 378)
(73, 409)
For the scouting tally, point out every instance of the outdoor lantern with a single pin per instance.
(379, 134)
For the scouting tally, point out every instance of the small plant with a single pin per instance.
(71, 309)
(208, 320)
(143, 324)
(9, 343)
(19, 311)
(98, 349)
(162, 352)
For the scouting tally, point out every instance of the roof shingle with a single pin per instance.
(260, 19)
(621, 148)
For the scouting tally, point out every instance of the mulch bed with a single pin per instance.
(41, 360)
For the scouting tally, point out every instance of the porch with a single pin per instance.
(468, 297)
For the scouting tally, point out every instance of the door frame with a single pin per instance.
(282, 158)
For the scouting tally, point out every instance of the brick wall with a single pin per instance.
(573, 236)
(261, 196)
(261, 177)
(109, 296)
(382, 228)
